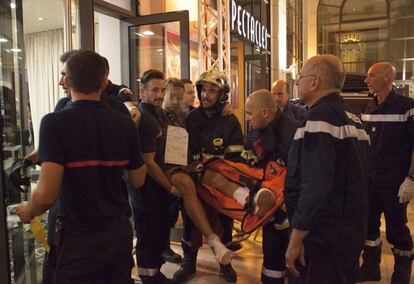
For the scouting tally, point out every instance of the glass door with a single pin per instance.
(17, 247)
(159, 41)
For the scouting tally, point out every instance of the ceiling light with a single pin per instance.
(15, 49)
(13, 5)
(3, 39)
(140, 34)
(40, 19)
(148, 33)
(160, 50)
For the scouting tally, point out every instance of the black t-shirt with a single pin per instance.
(149, 132)
(95, 144)
(161, 120)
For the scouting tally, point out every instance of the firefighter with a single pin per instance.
(327, 181)
(273, 133)
(388, 120)
(212, 132)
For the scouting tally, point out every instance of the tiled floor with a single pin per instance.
(248, 261)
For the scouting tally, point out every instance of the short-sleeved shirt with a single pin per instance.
(390, 126)
(158, 115)
(95, 144)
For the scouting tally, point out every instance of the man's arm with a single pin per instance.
(46, 193)
(136, 178)
(155, 171)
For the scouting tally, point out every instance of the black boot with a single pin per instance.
(188, 264)
(370, 269)
(228, 273)
(159, 278)
(171, 256)
(402, 268)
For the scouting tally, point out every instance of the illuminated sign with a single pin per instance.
(247, 26)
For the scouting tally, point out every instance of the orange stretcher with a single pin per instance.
(272, 177)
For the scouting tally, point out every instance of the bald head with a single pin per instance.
(260, 108)
(380, 78)
(263, 99)
(386, 68)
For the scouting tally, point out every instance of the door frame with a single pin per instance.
(239, 112)
(177, 16)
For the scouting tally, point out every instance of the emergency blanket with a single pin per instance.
(272, 177)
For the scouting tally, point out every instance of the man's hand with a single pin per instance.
(25, 213)
(227, 110)
(295, 250)
(406, 192)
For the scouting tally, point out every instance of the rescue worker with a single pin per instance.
(211, 133)
(327, 180)
(281, 92)
(31, 158)
(273, 133)
(82, 168)
(150, 204)
(388, 120)
(189, 95)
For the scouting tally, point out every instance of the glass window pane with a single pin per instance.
(400, 8)
(358, 10)
(328, 14)
(402, 27)
(402, 49)
(331, 2)
(125, 4)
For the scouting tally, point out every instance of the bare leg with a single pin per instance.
(195, 210)
(263, 200)
(220, 182)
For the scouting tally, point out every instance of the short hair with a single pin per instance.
(332, 71)
(85, 71)
(106, 63)
(65, 56)
(174, 82)
(186, 81)
(262, 98)
(150, 75)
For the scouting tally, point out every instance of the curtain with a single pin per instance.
(43, 71)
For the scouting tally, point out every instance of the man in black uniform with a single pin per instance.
(151, 202)
(82, 168)
(211, 133)
(189, 95)
(272, 136)
(388, 120)
(32, 157)
(327, 181)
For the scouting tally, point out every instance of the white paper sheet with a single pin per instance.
(176, 149)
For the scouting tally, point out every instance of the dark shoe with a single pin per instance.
(370, 269)
(188, 265)
(234, 246)
(157, 279)
(228, 273)
(171, 256)
(402, 268)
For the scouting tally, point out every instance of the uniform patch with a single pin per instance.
(353, 117)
